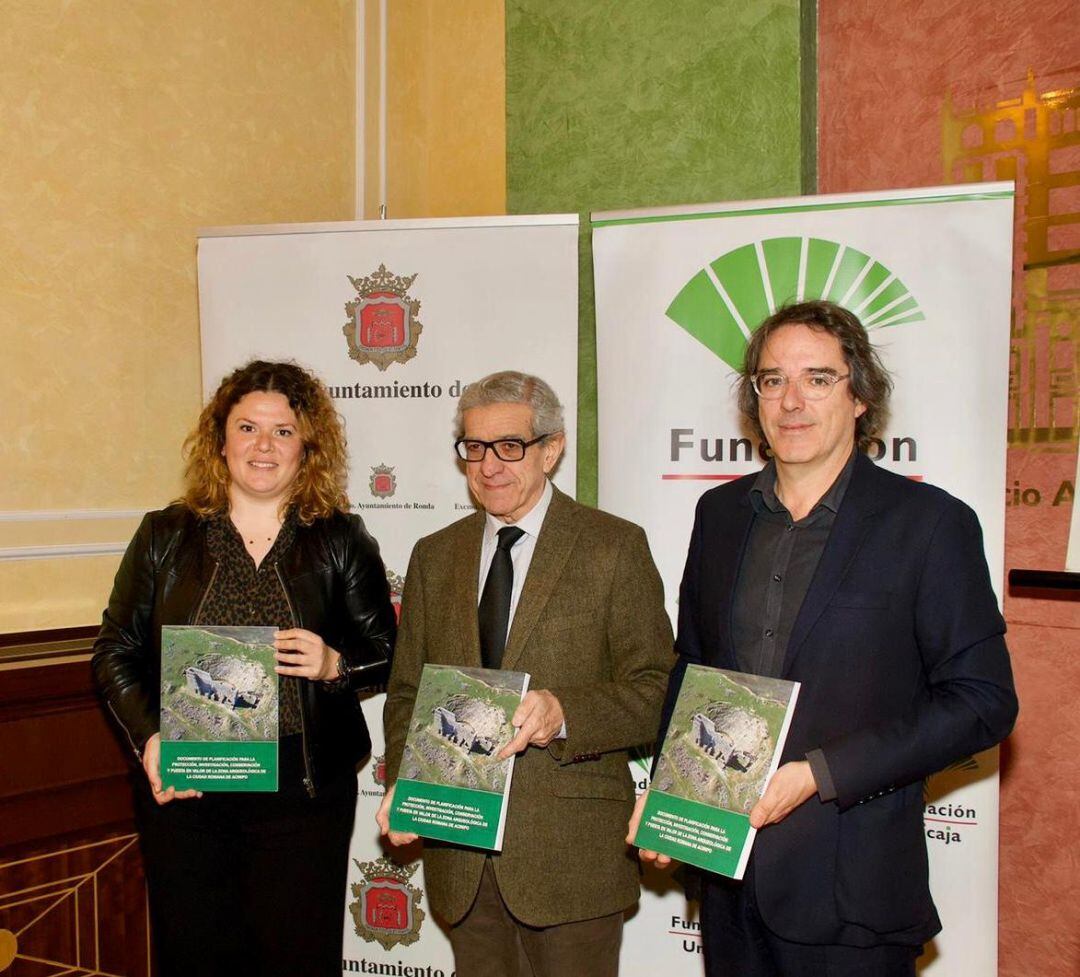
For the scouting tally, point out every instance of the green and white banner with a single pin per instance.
(678, 292)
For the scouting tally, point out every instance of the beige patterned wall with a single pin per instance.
(127, 125)
(446, 108)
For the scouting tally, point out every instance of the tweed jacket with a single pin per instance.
(591, 628)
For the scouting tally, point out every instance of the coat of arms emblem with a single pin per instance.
(382, 327)
(387, 908)
(383, 481)
(396, 583)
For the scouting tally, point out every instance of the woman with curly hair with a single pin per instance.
(254, 883)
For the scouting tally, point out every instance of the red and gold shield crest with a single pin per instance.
(387, 908)
(383, 482)
(397, 588)
(383, 325)
(387, 905)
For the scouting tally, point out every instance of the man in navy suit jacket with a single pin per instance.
(873, 592)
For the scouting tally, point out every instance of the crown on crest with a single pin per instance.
(383, 281)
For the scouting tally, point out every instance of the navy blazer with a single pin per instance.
(900, 651)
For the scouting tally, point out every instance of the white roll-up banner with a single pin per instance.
(397, 317)
(678, 292)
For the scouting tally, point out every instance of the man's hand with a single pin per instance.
(792, 784)
(660, 861)
(151, 761)
(538, 719)
(382, 819)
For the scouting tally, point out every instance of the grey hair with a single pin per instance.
(511, 387)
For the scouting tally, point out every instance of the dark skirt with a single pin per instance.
(250, 883)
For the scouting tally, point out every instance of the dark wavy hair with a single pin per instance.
(870, 383)
(319, 487)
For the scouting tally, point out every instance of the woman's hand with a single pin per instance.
(151, 761)
(303, 654)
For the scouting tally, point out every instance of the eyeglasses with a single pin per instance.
(506, 449)
(812, 385)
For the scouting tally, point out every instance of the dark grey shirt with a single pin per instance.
(777, 567)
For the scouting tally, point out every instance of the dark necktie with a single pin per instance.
(494, 607)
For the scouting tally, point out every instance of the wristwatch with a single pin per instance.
(341, 681)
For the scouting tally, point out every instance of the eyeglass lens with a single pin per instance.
(504, 450)
(812, 386)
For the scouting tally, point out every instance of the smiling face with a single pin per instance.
(508, 489)
(263, 448)
(816, 435)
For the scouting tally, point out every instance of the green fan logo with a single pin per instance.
(725, 301)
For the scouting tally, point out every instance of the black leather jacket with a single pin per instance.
(336, 586)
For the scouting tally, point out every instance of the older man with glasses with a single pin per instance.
(537, 583)
(873, 592)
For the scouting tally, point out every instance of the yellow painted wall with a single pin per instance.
(446, 111)
(127, 125)
(369, 115)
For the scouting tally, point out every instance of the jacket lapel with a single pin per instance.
(732, 536)
(553, 548)
(849, 530)
(463, 602)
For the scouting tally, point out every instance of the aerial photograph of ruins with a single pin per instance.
(218, 684)
(722, 737)
(460, 721)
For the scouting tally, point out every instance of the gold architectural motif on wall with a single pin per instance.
(63, 912)
(1033, 139)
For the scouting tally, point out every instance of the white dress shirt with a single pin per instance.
(521, 553)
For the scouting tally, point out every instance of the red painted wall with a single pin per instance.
(930, 92)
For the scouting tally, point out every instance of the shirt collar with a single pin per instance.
(763, 491)
(530, 522)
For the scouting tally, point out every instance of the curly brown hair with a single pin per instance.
(319, 488)
(870, 383)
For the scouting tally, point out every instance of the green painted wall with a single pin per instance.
(637, 103)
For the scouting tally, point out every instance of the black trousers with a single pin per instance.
(249, 884)
(737, 943)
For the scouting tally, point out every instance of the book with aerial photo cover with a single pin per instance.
(219, 709)
(451, 785)
(723, 743)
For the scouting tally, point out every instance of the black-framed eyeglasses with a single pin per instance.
(506, 449)
(812, 385)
